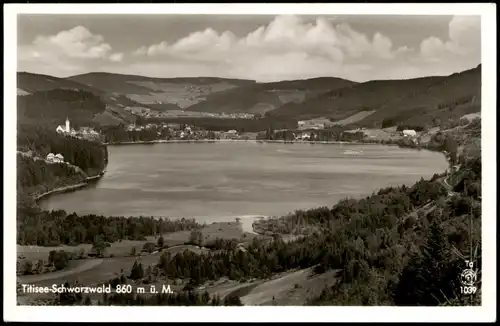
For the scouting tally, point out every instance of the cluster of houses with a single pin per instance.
(54, 158)
(188, 133)
(151, 113)
(316, 124)
(163, 126)
(84, 132)
(237, 115)
(305, 135)
(178, 131)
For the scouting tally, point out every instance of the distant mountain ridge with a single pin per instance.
(378, 103)
(264, 97)
(46, 93)
(402, 101)
(181, 92)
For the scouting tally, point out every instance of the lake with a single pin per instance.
(221, 181)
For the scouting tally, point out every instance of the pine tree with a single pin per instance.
(137, 271)
(205, 298)
(422, 281)
(216, 300)
(232, 300)
(86, 301)
(133, 251)
(161, 242)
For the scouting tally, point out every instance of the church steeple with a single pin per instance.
(67, 125)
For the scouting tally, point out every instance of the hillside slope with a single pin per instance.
(36, 89)
(426, 101)
(161, 93)
(263, 97)
(29, 83)
(401, 101)
(51, 107)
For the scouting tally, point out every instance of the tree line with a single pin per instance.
(53, 106)
(331, 134)
(90, 156)
(54, 228)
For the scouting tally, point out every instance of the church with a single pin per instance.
(64, 129)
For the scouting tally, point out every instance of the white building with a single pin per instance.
(64, 129)
(306, 136)
(231, 134)
(57, 158)
(409, 133)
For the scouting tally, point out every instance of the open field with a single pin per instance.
(354, 118)
(290, 288)
(471, 116)
(121, 248)
(225, 230)
(294, 288)
(93, 271)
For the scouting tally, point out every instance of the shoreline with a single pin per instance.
(69, 187)
(254, 218)
(162, 141)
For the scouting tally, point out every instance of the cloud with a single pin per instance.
(288, 47)
(116, 57)
(464, 33)
(285, 34)
(68, 50)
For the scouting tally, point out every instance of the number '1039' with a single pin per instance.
(468, 289)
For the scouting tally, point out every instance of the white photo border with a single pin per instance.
(486, 312)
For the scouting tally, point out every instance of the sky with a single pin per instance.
(258, 47)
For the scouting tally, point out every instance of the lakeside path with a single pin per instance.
(61, 189)
(70, 187)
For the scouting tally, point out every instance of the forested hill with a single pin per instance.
(409, 101)
(44, 93)
(51, 107)
(422, 101)
(160, 93)
(31, 83)
(260, 98)
(35, 175)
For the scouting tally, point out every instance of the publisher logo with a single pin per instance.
(468, 277)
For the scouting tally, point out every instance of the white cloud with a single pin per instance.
(116, 57)
(288, 46)
(78, 42)
(464, 33)
(67, 51)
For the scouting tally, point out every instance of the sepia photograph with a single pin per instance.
(249, 156)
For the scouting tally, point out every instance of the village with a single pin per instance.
(304, 132)
(151, 113)
(87, 133)
(307, 131)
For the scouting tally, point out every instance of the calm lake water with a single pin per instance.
(220, 181)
